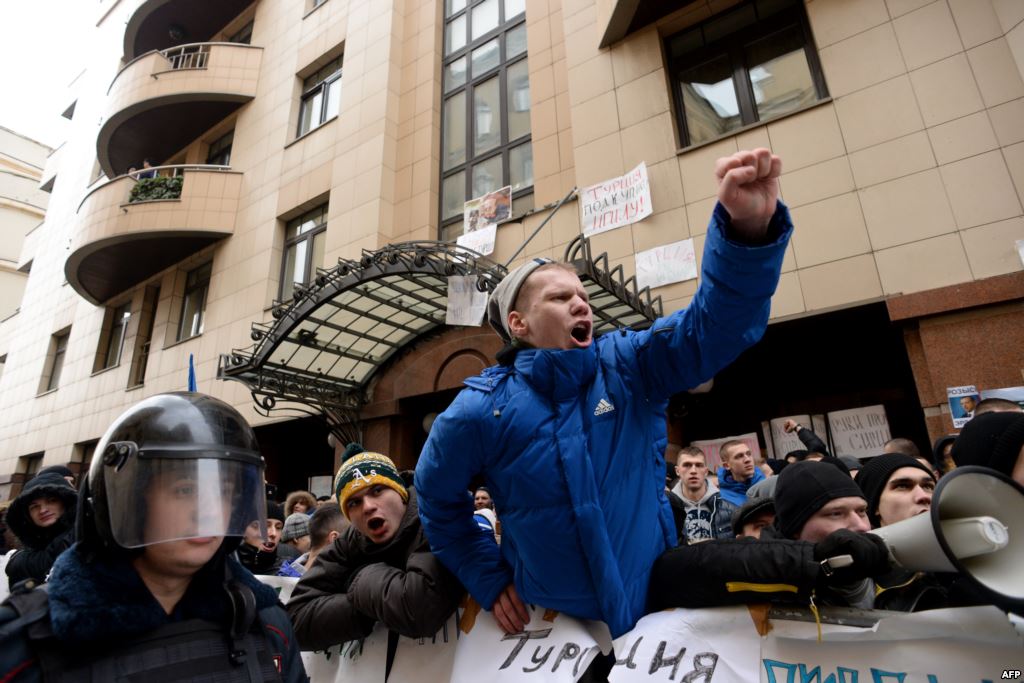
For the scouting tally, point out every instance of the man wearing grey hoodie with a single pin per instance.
(700, 511)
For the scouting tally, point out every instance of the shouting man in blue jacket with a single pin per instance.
(569, 431)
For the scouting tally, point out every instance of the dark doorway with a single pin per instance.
(295, 450)
(833, 361)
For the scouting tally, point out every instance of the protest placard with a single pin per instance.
(466, 304)
(617, 202)
(962, 401)
(675, 262)
(783, 442)
(860, 432)
(480, 218)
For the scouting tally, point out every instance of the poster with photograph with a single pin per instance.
(962, 402)
(480, 218)
(675, 262)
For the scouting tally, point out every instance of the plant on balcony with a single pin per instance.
(149, 189)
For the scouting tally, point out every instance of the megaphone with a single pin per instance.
(975, 527)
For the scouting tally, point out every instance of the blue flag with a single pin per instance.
(191, 374)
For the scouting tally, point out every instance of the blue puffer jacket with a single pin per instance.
(571, 446)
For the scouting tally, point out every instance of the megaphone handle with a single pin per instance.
(829, 565)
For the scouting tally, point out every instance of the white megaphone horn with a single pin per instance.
(975, 527)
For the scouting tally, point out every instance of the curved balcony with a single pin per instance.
(162, 101)
(132, 229)
(160, 24)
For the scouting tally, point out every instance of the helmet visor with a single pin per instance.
(155, 500)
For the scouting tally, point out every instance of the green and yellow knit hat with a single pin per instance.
(361, 468)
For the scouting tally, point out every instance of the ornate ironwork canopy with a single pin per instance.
(321, 350)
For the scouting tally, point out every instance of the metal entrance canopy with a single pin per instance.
(323, 348)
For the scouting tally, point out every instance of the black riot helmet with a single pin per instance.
(174, 466)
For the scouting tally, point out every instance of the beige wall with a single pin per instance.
(909, 178)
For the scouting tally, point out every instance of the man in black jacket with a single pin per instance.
(43, 519)
(379, 569)
(820, 514)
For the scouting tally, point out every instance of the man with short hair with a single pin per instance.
(820, 514)
(738, 472)
(698, 508)
(968, 404)
(568, 431)
(902, 445)
(997, 405)
(378, 569)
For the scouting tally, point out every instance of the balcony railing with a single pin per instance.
(187, 56)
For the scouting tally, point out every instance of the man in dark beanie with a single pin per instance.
(379, 569)
(897, 487)
(994, 440)
(258, 554)
(43, 519)
(820, 514)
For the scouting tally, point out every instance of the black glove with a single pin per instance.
(870, 556)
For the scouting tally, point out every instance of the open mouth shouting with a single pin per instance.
(376, 527)
(582, 334)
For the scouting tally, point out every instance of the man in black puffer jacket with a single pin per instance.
(379, 569)
(43, 519)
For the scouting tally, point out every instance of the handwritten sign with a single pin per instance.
(962, 401)
(616, 202)
(675, 262)
(968, 644)
(554, 648)
(466, 304)
(714, 645)
(284, 585)
(860, 432)
(712, 448)
(783, 442)
(718, 644)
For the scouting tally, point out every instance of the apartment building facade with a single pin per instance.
(224, 156)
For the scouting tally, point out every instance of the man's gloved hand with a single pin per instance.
(869, 553)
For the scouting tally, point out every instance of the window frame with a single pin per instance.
(733, 46)
(202, 287)
(56, 359)
(113, 325)
(320, 228)
(473, 80)
(310, 92)
(225, 150)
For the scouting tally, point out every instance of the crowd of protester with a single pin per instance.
(150, 568)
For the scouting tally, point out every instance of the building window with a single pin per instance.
(321, 97)
(193, 305)
(751, 64)
(112, 339)
(304, 239)
(3, 363)
(27, 468)
(55, 364)
(485, 125)
(144, 339)
(219, 153)
(81, 458)
(243, 36)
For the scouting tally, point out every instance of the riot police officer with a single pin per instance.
(149, 591)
